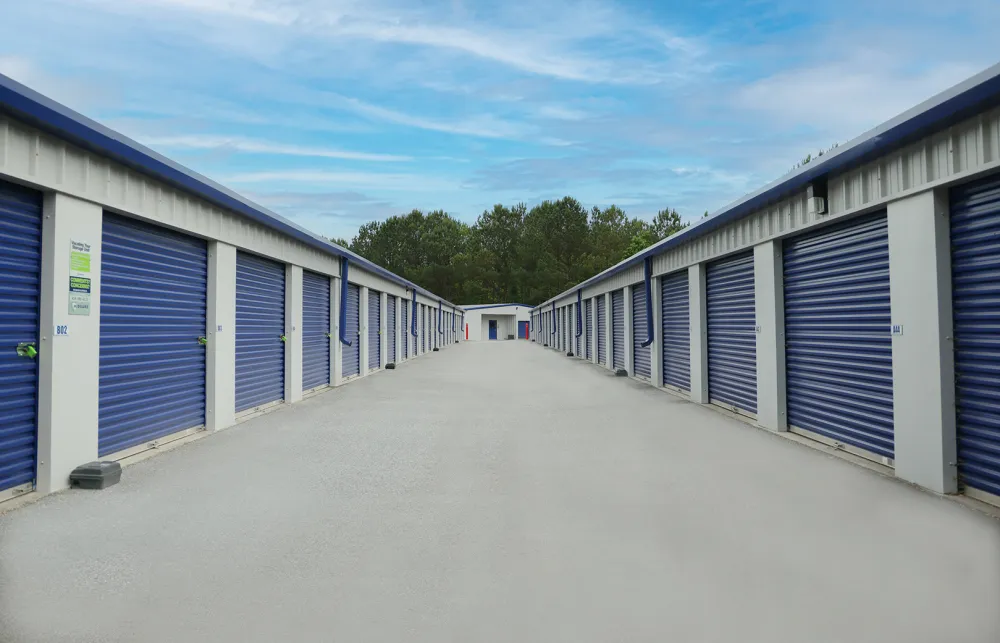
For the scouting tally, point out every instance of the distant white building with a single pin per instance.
(497, 321)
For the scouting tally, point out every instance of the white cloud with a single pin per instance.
(485, 126)
(388, 182)
(562, 113)
(239, 144)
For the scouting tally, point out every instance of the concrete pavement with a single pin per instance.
(498, 492)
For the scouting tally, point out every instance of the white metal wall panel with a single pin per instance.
(315, 330)
(20, 285)
(975, 239)
(640, 332)
(676, 340)
(732, 337)
(391, 325)
(618, 329)
(838, 342)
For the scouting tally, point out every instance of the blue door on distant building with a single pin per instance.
(522, 330)
(493, 329)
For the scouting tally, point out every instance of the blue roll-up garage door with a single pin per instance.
(20, 283)
(618, 329)
(563, 344)
(374, 329)
(838, 344)
(578, 328)
(315, 330)
(350, 356)
(975, 241)
(260, 325)
(732, 339)
(423, 328)
(405, 329)
(588, 325)
(602, 330)
(640, 353)
(391, 325)
(154, 285)
(676, 320)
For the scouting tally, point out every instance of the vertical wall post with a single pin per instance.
(923, 362)
(593, 329)
(220, 353)
(363, 338)
(699, 333)
(383, 330)
(293, 333)
(68, 366)
(656, 348)
(336, 348)
(769, 302)
(609, 334)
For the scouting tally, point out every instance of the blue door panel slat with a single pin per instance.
(260, 323)
(618, 329)
(640, 354)
(154, 294)
(676, 322)
(315, 330)
(20, 278)
(602, 330)
(732, 337)
(350, 357)
(975, 254)
(838, 351)
(374, 326)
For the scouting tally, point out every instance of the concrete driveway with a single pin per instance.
(498, 492)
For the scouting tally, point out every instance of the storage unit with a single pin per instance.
(20, 283)
(260, 331)
(404, 329)
(577, 331)
(602, 331)
(154, 284)
(838, 342)
(563, 340)
(975, 240)
(588, 327)
(640, 332)
(618, 329)
(676, 331)
(350, 355)
(391, 325)
(374, 330)
(315, 330)
(732, 337)
(423, 328)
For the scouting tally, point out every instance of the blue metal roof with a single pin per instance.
(951, 106)
(25, 104)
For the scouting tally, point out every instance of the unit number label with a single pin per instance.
(61, 330)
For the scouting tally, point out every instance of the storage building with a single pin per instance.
(497, 321)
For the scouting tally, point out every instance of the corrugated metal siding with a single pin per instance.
(350, 356)
(676, 319)
(975, 239)
(315, 330)
(602, 331)
(20, 283)
(640, 354)
(374, 329)
(154, 285)
(732, 337)
(579, 338)
(405, 328)
(838, 338)
(563, 339)
(618, 329)
(260, 323)
(423, 328)
(588, 327)
(391, 324)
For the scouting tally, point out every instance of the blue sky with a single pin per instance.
(337, 112)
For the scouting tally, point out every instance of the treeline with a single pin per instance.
(510, 254)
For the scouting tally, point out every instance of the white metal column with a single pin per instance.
(656, 348)
(220, 353)
(923, 362)
(699, 333)
(363, 337)
(336, 348)
(629, 331)
(769, 303)
(293, 333)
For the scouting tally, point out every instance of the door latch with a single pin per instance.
(203, 341)
(27, 349)
(282, 338)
